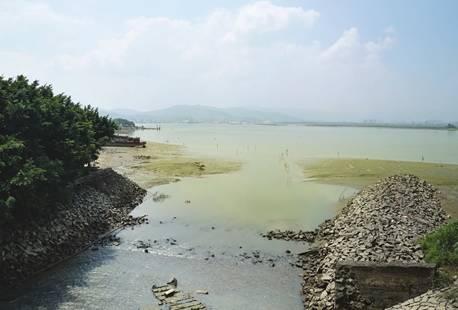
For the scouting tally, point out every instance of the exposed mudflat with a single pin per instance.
(161, 163)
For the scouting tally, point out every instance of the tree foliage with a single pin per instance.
(121, 122)
(46, 141)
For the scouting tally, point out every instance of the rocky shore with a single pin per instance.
(442, 299)
(289, 235)
(381, 224)
(100, 202)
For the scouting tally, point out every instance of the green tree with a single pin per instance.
(46, 141)
(121, 122)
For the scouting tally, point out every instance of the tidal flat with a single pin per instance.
(358, 173)
(161, 163)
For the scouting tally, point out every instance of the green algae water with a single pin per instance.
(270, 191)
(206, 231)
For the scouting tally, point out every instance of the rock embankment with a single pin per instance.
(99, 202)
(381, 224)
(441, 299)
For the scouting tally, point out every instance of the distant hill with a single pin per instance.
(204, 114)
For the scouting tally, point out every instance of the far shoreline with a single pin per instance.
(363, 125)
(343, 124)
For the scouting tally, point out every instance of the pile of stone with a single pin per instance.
(443, 299)
(100, 202)
(381, 224)
(289, 235)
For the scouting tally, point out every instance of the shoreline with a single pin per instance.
(441, 127)
(363, 125)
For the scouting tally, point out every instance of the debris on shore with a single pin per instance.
(199, 165)
(289, 235)
(124, 140)
(381, 224)
(100, 203)
(169, 295)
(159, 197)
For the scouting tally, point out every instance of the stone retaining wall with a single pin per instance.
(383, 284)
(99, 202)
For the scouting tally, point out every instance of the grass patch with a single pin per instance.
(441, 246)
(361, 172)
(365, 171)
(188, 167)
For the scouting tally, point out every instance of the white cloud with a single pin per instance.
(263, 16)
(350, 48)
(345, 47)
(375, 48)
(230, 57)
(23, 13)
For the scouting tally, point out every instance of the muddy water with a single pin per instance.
(206, 233)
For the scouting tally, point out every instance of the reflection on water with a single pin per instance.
(220, 225)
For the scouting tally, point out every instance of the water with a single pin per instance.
(204, 243)
(263, 143)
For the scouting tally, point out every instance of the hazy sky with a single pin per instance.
(386, 60)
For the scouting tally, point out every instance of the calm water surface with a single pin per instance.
(204, 243)
(269, 191)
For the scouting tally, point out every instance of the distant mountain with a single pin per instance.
(120, 113)
(203, 114)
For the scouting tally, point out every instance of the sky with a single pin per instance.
(354, 60)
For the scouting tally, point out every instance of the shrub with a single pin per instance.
(441, 246)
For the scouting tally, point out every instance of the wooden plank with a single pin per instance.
(178, 300)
